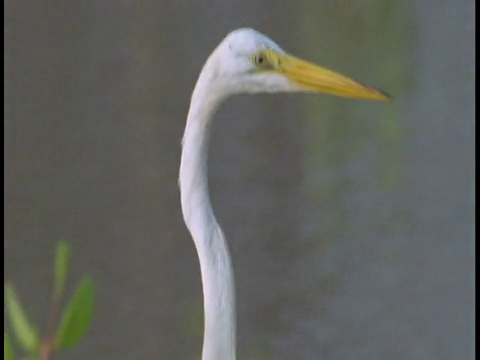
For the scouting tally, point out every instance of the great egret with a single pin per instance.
(244, 62)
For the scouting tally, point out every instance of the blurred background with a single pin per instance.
(351, 224)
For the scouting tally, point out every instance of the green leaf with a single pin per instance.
(25, 333)
(61, 267)
(77, 316)
(7, 347)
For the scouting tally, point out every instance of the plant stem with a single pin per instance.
(47, 344)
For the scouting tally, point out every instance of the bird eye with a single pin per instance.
(261, 61)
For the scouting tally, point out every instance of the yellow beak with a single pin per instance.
(310, 77)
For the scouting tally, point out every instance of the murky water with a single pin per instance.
(350, 223)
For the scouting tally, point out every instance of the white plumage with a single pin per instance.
(244, 62)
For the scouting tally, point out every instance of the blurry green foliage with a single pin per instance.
(74, 320)
(77, 316)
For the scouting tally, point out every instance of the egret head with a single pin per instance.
(247, 61)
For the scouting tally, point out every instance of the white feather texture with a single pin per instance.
(244, 62)
(228, 70)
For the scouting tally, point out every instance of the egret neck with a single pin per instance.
(212, 249)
